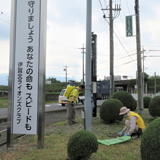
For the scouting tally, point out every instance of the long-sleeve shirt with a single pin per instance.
(132, 124)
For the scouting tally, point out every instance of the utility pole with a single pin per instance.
(66, 73)
(111, 18)
(88, 107)
(137, 89)
(139, 68)
(155, 83)
(82, 63)
(143, 72)
(111, 52)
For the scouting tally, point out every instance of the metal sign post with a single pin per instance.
(129, 27)
(27, 69)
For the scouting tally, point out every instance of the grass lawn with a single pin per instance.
(50, 102)
(58, 134)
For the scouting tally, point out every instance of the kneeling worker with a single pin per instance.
(134, 124)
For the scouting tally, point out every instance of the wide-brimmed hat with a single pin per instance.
(124, 110)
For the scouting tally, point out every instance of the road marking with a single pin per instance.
(3, 130)
(47, 105)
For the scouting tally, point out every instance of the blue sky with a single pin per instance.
(66, 32)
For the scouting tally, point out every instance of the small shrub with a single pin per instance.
(150, 143)
(134, 105)
(126, 98)
(146, 101)
(154, 106)
(81, 145)
(110, 109)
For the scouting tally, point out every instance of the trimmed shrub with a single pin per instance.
(81, 145)
(126, 98)
(110, 109)
(146, 101)
(150, 143)
(154, 106)
(134, 104)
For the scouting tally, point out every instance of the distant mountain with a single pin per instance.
(4, 79)
(61, 79)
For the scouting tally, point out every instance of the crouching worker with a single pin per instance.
(134, 124)
(71, 102)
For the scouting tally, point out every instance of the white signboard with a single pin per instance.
(135, 96)
(26, 67)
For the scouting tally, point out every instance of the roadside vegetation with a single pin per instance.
(56, 86)
(4, 102)
(150, 80)
(57, 136)
(50, 102)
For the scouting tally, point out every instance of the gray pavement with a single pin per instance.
(55, 107)
(3, 114)
(51, 113)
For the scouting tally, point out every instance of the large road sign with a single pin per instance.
(129, 27)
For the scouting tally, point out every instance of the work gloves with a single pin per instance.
(72, 104)
(126, 134)
(120, 133)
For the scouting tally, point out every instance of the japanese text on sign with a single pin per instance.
(26, 67)
(129, 30)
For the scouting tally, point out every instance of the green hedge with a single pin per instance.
(154, 106)
(126, 98)
(110, 109)
(81, 145)
(150, 143)
(146, 101)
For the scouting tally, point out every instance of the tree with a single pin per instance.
(132, 83)
(53, 80)
(146, 77)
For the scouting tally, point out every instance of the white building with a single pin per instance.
(116, 78)
(48, 82)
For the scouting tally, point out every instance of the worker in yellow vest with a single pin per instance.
(71, 103)
(134, 124)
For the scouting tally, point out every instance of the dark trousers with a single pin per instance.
(138, 133)
(70, 114)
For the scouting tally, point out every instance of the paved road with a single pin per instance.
(50, 110)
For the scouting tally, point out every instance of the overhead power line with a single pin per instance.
(114, 31)
(7, 20)
(154, 50)
(4, 18)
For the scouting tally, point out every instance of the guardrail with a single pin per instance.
(3, 137)
(150, 95)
